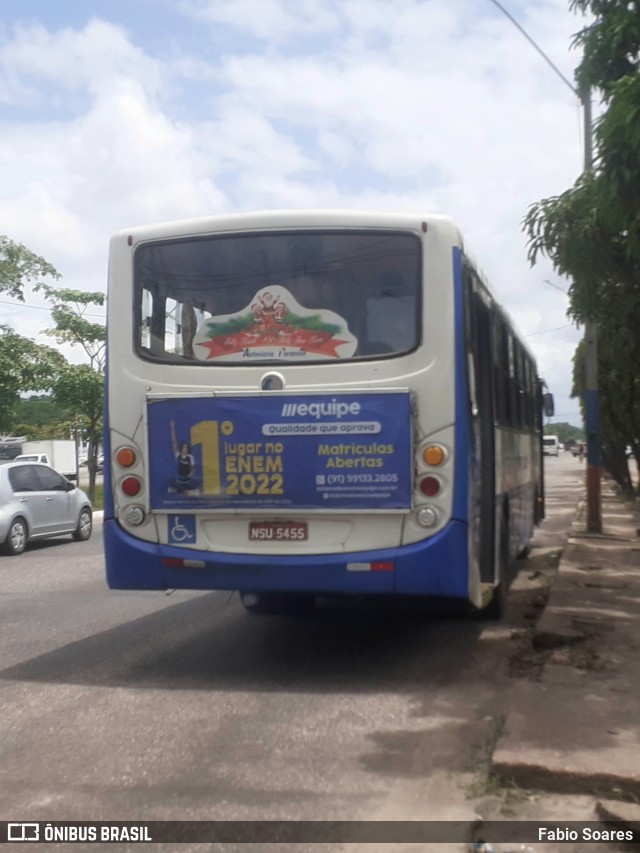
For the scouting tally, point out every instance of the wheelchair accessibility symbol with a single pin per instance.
(182, 529)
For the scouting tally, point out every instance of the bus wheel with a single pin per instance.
(278, 603)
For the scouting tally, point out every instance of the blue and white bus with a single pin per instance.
(303, 404)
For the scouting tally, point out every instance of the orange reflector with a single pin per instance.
(434, 455)
(126, 457)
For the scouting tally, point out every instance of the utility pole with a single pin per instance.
(591, 398)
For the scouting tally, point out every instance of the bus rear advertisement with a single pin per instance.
(302, 404)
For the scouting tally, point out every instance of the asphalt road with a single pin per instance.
(144, 706)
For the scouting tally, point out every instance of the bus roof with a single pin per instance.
(314, 218)
(292, 219)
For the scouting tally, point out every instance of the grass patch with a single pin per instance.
(487, 783)
(98, 502)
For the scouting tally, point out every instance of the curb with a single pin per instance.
(577, 729)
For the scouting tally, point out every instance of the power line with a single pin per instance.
(546, 331)
(44, 308)
(537, 47)
(557, 287)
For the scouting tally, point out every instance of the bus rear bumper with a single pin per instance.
(435, 567)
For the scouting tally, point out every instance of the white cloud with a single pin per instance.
(69, 60)
(268, 20)
(416, 105)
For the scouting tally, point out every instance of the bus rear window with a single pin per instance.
(278, 297)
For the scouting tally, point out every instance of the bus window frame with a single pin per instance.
(165, 358)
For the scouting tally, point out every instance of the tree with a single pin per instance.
(565, 432)
(591, 232)
(19, 266)
(24, 366)
(41, 417)
(619, 404)
(69, 313)
(81, 388)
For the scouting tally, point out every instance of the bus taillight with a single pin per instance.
(126, 457)
(429, 486)
(434, 455)
(131, 486)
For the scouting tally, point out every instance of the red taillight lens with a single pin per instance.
(131, 486)
(430, 486)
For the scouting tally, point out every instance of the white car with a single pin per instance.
(550, 445)
(36, 502)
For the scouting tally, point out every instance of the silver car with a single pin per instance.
(36, 502)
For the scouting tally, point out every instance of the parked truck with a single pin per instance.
(59, 453)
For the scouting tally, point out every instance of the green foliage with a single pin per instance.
(28, 366)
(19, 266)
(619, 398)
(69, 313)
(609, 43)
(81, 388)
(565, 432)
(24, 365)
(591, 232)
(41, 417)
(38, 409)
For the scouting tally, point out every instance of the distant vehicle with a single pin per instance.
(37, 502)
(550, 445)
(59, 453)
(84, 462)
(10, 447)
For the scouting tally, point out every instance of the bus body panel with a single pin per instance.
(448, 560)
(431, 568)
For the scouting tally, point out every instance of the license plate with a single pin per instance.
(278, 531)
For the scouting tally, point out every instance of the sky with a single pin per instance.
(116, 113)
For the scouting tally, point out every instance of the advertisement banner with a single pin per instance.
(311, 451)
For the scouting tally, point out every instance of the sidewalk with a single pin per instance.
(577, 729)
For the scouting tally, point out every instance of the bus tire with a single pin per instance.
(278, 603)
